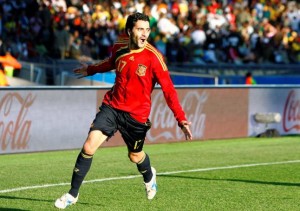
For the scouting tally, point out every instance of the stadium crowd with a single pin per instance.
(227, 31)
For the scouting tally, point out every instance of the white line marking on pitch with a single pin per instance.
(163, 173)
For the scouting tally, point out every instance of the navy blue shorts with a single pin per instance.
(109, 120)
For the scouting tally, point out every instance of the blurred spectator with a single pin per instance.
(100, 15)
(249, 80)
(294, 51)
(255, 44)
(198, 38)
(59, 16)
(212, 37)
(235, 42)
(140, 4)
(10, 27)
(166, 25)
(59, 5)
(153, 23)
(9, 62)
(40, 48)
(75, 51)
(210, 55)
(23, 21)
(3, 79)
(198, 35)
(160, 44)
(267, 48)
(269, 30)
(246, 30)
(35, 25)
(183, 9)
(230, 16)
(80, 50)
(243, 15)
(213, 7)
(61, 41)
(45, 15)
(157, 8)
(85, 49)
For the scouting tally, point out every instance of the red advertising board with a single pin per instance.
(215, 114)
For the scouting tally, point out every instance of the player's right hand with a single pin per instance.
(81, 71)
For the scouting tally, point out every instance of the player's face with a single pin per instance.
(139, 34)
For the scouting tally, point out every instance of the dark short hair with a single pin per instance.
(133, 18)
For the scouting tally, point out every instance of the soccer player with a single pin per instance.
(126, 107)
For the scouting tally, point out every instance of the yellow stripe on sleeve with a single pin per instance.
(158, 55)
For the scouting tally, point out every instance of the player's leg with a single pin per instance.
(142, 161)
(134, 134)
(84, 159)
(102, 128)
(82, 166)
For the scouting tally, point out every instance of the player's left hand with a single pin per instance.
(81, 71)
(185, 127)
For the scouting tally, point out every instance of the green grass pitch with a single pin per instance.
(234, 174)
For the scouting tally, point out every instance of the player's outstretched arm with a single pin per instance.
(185, 127)
(81, 71)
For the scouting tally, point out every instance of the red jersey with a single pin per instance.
(137, 72)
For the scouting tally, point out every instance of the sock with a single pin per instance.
(144, 168)
(82, 166)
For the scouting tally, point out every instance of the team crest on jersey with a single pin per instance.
(141, 71)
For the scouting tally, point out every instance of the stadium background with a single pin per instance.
(224, 39)
(210, 43)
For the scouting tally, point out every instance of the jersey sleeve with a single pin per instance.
(108, 64)
(163, 77)
(101, 67)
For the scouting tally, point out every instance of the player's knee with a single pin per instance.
(89, 148)
(93, 142)
(135, 157)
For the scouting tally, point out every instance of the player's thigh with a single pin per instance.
(94, 141)
(103, 127)
(134, 133)
(105, 121)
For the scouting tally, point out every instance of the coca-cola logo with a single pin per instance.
(14, 127)
(164, 123)
(291, 113)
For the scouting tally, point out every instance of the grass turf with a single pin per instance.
(196, 175)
